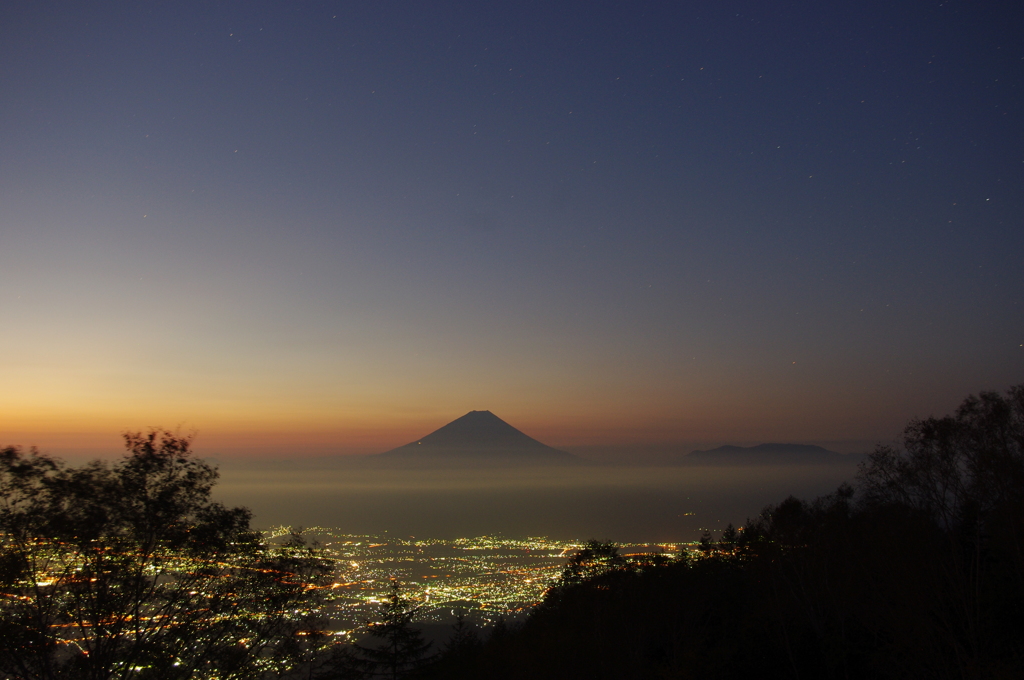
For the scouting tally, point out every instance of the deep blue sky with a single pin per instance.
(340, 225)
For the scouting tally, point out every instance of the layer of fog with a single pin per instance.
(625, 504)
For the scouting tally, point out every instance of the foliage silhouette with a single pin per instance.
(130, 570)
(913, 571)
(402, 649)
(593, 559)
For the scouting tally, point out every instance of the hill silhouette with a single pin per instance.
(765, 454)
(912, 572)
(477, 437)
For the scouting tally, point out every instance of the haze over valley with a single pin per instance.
(480, 475)
(597, 302)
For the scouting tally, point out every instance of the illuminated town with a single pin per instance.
(483, 578)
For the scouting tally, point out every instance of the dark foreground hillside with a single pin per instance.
(916, 572)
(129, 570)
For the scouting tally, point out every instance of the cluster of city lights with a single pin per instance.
(483, 578)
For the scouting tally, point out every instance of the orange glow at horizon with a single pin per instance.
(324, 403)
(343, 427)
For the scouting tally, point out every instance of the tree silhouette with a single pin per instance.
(964, 474)
(706, 542)
(465, 637)
(402, 648)
(459, 653)
(913, 571)
(730, 536)
(130, 570)
(593, 559)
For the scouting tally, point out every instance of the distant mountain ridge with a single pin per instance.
(478, 436)
(766, 454)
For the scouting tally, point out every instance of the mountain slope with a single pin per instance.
(477, 436)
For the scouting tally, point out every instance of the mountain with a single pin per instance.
(766, 454)
(477, 437)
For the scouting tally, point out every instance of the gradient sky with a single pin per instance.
(333, 227)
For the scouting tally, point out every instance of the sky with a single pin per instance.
(303, 228)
